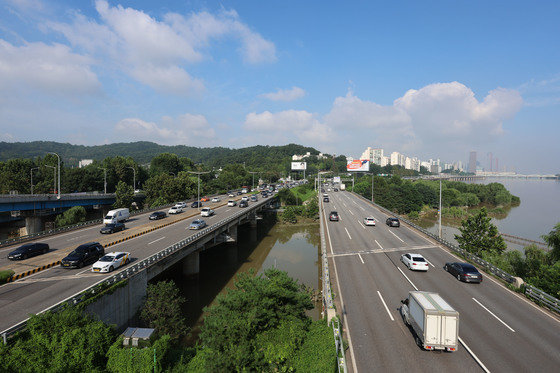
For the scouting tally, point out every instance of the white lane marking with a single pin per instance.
(363, 209)
(363, 226)
(350, 211)
(227, 210)
(79, 273)
(350, 237)
(161, 238)
(386, 308)
(395, 235)
(361, 258)
(430, 263)
(344, 204)
(474, 356)
(491, 313)
(381, 247)
(405, 276)
(350, 344)
(385, 250)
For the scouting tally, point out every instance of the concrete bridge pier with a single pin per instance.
(191, 264)
(232, 232)
(34, 224)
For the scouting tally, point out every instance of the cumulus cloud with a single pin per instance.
(442, 116)
(186, 129)
(48, 68)
(291, 94)
(155, 52)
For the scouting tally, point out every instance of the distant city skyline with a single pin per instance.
(434, 79)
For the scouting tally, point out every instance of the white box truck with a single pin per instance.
(434, 321)
(342, 186)
(116, 216)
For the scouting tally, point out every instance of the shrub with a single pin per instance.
(71, 216)
(5, 275)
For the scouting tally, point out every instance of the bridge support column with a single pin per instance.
(33, 224)
(232, 232)
(191, 264)
(253, 222)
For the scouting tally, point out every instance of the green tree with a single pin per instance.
(479, 235)
(124, 195)
(553, 241)
(64, 341)
(162, 309)
(71, 216)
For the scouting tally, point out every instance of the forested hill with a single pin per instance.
(144, 151)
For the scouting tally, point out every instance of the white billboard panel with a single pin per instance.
(299, 166)
(336, 179)
(358, 165)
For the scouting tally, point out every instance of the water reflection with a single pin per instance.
(294, 249)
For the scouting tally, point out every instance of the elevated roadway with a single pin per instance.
(500, 331)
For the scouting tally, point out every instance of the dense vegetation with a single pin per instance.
(260, 325)
(406, 196)
(537, 267)
(298, 202)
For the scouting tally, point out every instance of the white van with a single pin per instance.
(116, 216)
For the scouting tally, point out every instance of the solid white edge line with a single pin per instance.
(348, 233)
(491, 313)
(473, 355)
(381, 247)
(350, 345)
(386, 308)
(395, 235)
(361, 258)
(405, 276)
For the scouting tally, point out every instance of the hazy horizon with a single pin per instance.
(430, 80)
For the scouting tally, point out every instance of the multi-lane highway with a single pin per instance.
(37, 292)
(499, 330)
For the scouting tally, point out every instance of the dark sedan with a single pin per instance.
(196, 204)
(112, 228)
(464, 272)
(157, 215)
(243, 204)
(393, 222)
(28, 250)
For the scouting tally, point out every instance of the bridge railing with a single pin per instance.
(134, 268)
(532, 292)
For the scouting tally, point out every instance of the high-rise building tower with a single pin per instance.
(490, 161)
(472, 162)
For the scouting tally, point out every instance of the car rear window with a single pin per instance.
(418, 259)
(468, 267)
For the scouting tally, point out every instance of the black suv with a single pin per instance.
(243, 204)
(28, 250)
(83, 254)
(393, 222)
(157, 215)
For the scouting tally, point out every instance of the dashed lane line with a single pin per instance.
(491, 313)
(348, 233)
(359, 256)
(381, 247)
(395, 235)
(161, 238)
(405, 276)
(385, 304)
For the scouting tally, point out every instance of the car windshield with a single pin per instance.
(107, 258)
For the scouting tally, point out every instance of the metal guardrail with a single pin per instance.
(50, 232)
(137, 267)
(532, 292)
(328, 303)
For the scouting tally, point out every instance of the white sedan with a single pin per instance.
(215, 199)
(415, 262)
(369, 221)
(231, 203)
(111, 261)
(206, 212)
(175, 210)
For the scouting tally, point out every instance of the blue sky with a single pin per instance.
(432, 79)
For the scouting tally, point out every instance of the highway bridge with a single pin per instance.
(500, 330)
(154, 247)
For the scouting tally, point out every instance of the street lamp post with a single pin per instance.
(105, 180)
(134, 178)
(253, 172)
(198, 173)
(58, 173)
(34, 168)
(54, 176)
(440, 210)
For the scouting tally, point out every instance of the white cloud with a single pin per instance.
(291, 94)
(186, 129)
(7, 137)
(438, 118)
(156, 52)
(48, 68)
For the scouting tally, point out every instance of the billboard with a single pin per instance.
(336, 179)
(299, 166)
(358, 165)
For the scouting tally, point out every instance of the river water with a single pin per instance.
(292, 248)
(537, 214)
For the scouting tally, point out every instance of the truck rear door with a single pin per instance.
(432, 332)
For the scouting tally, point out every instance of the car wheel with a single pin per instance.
(459, 277)
(80, 264)
(111, 269)
(24, 256)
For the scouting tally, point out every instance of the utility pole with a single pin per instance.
(198, 173)
(58, 173)
(34, 168)
(253, 172)
(105, 180)
(440, 210)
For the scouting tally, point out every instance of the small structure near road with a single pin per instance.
(137, 337)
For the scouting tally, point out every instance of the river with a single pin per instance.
(537, 214)
(292, 248)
